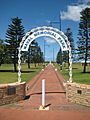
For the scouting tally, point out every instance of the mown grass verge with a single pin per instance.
(78, 75)
(7, 75)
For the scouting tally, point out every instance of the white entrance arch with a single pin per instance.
(54, 33)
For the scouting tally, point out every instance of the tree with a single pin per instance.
(29, 55)
(69, 34)
(14, 36)
(71, 40)
(30, 50)
(2, 48)
(36, 54)
(84, 37)
(59, 57)
(65, 57)
(40, 58)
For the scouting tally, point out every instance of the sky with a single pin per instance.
(36, 13)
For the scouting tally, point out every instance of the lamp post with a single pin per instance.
(53, 54)
(45, 49)
(59, 23)
(56, 22)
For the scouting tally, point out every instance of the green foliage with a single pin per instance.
(1, 46)
(35, 54)
(84, 36)
(2, 51)
(14, 36)
(59, 57)
(69, 34)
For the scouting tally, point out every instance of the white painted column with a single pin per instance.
(43, 92)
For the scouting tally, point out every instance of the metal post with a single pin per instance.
(60, 20)
(19, 65)
(70, 65)
(43, 92)
(53, 54)
(44, 52)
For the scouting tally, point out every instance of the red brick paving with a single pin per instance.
(60, 109)
(12, 114)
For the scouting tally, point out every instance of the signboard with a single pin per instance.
(45, 31)
(11, 90)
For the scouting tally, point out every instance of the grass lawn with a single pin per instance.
(78, 75)
(8, 76)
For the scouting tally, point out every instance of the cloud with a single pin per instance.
(49, 40)
(73, 12)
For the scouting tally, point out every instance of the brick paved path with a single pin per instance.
(60, 109)
(55, 93)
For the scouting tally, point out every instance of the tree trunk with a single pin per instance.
(29, 58)
(86, 54)
(85, 63)
(15, 67)
(68, 61)
(14, 62)
(35, 64)
(84, 70)
(0, 64)
(28, 63)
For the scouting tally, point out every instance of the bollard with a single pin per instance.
(43, 92)
(43, 106)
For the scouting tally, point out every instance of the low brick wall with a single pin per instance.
(13, 92)
(78, 93)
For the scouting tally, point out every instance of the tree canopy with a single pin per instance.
(14, 35)
(84, 37)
